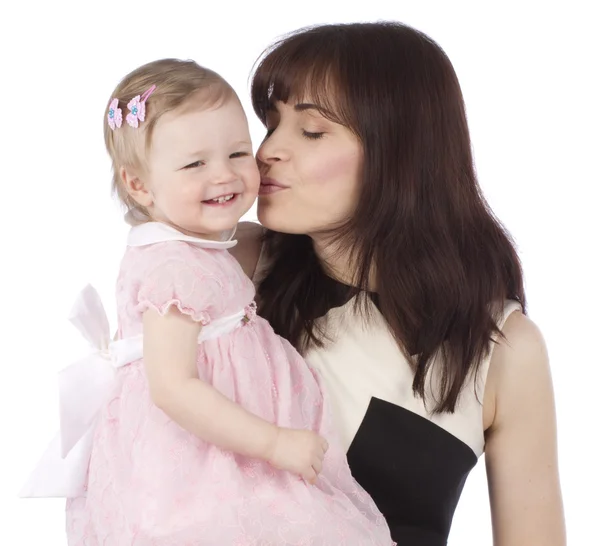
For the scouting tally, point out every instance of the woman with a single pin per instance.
(384, 266)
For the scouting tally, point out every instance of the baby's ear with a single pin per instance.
(136, 187)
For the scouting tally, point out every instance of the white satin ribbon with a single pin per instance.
(84, 387)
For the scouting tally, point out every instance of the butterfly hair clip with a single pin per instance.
(114, 116)
(137, 108)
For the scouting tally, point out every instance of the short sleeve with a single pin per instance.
(180, 278)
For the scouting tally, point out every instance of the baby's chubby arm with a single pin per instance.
(170, 355)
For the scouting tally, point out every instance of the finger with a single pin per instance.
(317, 466)
(310, 475)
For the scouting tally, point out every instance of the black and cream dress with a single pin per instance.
(414, 464)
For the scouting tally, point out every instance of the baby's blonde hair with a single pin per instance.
(176, 82)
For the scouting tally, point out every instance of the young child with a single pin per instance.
(217, 436)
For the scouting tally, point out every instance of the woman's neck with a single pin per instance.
(337, 261)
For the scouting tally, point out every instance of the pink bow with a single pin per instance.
(137, 108)
(114, 116)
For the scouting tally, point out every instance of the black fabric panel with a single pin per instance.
(414, 470)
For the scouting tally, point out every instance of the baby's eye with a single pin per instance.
(239, 154)
(195, 164)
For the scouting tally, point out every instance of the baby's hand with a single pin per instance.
(299, 451)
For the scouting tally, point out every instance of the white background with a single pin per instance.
(529, 73)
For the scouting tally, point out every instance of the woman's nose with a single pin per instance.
(272, 150)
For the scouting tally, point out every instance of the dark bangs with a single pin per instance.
(304, 69)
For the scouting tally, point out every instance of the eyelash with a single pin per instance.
(312, 136)
(194, 165)
(305, 134)
(200, 163)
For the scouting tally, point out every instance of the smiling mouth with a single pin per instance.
(222, 199)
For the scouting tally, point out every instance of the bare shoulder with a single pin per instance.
(522, 335)
(519, 363)
(249, 243)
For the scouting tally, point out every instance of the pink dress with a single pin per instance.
(151, 483)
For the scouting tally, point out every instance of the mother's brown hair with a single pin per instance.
(443, 263)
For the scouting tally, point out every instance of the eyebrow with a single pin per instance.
(304, 106)
(301, 107)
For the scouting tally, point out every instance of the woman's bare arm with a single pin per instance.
(521, 446)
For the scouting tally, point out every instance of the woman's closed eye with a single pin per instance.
(312, 136)
(306, 134)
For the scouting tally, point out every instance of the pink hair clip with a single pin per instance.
(114, 116)
(137, 108)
